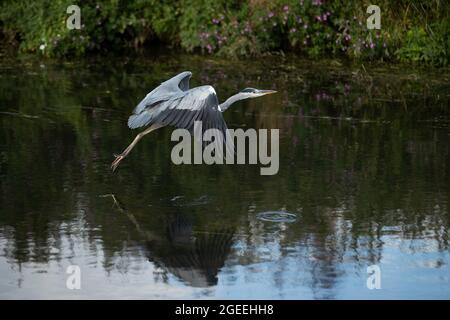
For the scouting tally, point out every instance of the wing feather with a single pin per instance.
(167, 90)
(181, 109)
(197, 104)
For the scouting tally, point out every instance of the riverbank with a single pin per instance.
(410, 31)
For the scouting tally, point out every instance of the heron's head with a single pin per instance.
(253, 93)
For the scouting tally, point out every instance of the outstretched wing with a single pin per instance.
(172, 103)
(182, 110)
(171, 88)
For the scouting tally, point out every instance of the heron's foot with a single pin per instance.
(116, 161)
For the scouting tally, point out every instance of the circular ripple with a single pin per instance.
(277, 216)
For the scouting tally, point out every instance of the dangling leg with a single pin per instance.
(125, 152)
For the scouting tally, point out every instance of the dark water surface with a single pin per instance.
(364, 180)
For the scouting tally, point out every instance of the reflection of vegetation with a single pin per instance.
(363, 153)
(412, 30)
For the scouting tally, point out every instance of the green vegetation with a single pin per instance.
(411, 30)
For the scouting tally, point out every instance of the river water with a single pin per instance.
(363, 181)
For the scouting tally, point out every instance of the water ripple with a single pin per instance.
(277, 216)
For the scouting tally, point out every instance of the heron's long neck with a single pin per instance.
(225, 105)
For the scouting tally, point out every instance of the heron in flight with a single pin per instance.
(173, 103)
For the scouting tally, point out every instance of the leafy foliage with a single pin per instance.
(411, 30)
(431, 47)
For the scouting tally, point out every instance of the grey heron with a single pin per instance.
(173, 103)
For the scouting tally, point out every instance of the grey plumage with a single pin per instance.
(173, 103)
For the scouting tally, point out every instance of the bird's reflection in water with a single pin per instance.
(194, 257)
